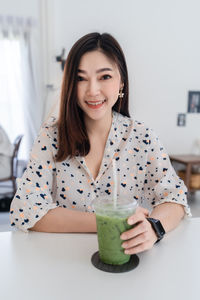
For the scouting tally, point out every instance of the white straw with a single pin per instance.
(115, 183)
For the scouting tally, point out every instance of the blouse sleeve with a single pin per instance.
(162, 183)
(33, 198)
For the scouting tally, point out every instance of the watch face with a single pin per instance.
(158, 228)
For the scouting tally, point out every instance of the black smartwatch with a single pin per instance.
(157, 227)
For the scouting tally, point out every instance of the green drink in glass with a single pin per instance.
(111, 222)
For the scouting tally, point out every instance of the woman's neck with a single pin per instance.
(99, 128)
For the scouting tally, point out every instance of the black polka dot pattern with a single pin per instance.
(144, 173)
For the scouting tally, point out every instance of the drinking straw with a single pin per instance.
(115, 183)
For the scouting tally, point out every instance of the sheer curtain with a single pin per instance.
(21, 107)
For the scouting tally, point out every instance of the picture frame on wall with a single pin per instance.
(181, 120)
(194, 102)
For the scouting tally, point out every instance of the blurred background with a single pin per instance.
(161, 43)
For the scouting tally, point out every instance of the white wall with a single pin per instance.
(20, 8)
(162, 45)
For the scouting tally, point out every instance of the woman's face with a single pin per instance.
(98, 85)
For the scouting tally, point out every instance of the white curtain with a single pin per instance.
(21, 108)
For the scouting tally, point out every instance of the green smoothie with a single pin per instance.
(109, 230)
(111, 222)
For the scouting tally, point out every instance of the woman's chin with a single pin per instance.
(98, 115)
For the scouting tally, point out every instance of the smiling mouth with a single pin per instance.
(95, 103)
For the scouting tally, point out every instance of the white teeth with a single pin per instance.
(96, 103)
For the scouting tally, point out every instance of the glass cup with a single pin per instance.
(111, 222)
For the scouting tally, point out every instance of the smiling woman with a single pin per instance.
(71, 161)
(94, 104)
(98, 90)
(95, 71)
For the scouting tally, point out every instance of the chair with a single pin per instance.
(14, 167)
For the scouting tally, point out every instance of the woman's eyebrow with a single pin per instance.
(98, 71)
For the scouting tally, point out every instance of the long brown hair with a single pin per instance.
(72, 135)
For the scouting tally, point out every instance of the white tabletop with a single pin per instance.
(57, 266)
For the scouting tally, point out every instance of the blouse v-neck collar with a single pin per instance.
(112, 147)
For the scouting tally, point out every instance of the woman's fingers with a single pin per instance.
(141, 242)
(138, 229)
(139, 248)
(138, 216)
(142, 236)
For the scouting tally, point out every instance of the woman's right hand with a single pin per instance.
(142, 236)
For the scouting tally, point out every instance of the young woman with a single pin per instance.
(71, 160)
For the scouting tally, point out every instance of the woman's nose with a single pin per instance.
(93, 88)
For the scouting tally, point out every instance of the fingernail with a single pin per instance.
(126, 252)
(130, 222)
(124, 245)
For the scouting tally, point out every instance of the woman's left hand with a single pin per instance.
(142, 236)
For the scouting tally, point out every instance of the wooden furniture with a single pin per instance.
(189, 161)
(14, 164)
(50, 266)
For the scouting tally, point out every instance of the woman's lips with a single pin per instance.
(95, 104)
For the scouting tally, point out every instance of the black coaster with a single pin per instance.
(130, 265)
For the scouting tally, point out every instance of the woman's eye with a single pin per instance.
(104, 77)
(79, 78)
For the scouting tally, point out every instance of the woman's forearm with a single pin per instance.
(170, 214)
(65, 220)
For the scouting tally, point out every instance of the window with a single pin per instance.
(21, 93)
